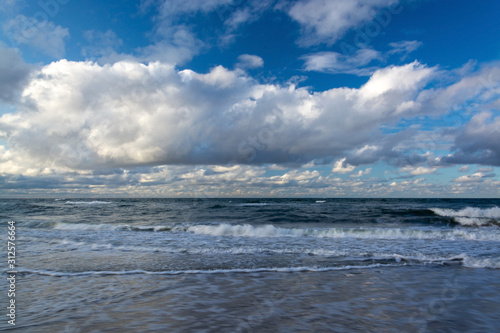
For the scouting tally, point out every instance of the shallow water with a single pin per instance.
(396, 299)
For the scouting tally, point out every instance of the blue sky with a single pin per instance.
(271, 98)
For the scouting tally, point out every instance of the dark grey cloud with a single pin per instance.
(478, 142)
(14, 74)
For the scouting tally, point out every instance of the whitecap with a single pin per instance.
(94, 202)
(261, 231)
(473, 262)
(471, 216)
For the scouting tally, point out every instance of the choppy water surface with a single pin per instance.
(267, 265)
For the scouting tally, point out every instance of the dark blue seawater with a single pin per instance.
(255, 265)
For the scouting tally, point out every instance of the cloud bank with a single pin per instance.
(84, 116)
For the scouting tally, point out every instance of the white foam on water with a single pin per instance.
(95, 202)
(246, 230)
(473, 262)
(426, 259)
(85, 226)
(268, 231)
(471, 216)
(250, 204)
(214, 271)
(110, 227)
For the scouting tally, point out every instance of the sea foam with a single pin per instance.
(246, 230)
(94, 202)
(471, 216)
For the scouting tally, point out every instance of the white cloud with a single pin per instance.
(173, 39)
(408, 78)
(481, 87)
(101, 44)
(464, 168)
(174, 44)
(418, 171)
(249, 61)
(327, 21)
(334, 62)
(404, 48)
(361, 173)
(342, 167)
(81, 115)
(11, 7)
(42, 35)
(476, 177)
(241, 13)
(295, 176)
(168, 9)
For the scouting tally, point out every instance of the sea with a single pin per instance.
(251, 265)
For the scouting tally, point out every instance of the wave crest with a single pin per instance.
(95, 202)
(471, 216)
(246, 230)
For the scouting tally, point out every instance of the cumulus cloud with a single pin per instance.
(476, 177)
(229, 181)
(418, 171)
(327, 21)
(81, 115)
(334, 62)
(249, 61)
(361, 173)
(41, 35)
(342, 167)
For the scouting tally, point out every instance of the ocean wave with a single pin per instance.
(492, 263)
(368, 263)
(205, 271)
(246, 230)
(461, 259)
(252, 204)
(110, 227)
(94, 202)
(471, 216)
(84, 226)
(271, 231)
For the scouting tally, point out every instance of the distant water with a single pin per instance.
(263, 265)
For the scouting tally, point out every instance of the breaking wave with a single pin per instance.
(471, 216)
(108, 227)
(95, 202)
(271, 231)
(246, 230)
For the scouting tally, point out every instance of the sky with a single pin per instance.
(247, 98)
